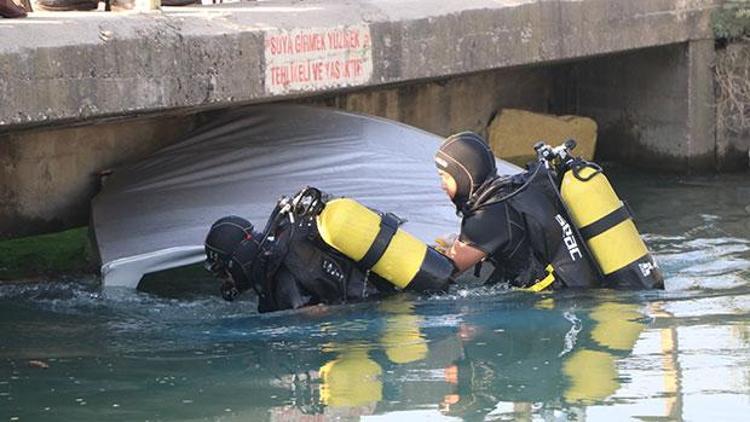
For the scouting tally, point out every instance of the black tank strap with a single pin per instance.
(388, 226)
(605, 223)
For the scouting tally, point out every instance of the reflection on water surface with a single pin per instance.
(477, 354)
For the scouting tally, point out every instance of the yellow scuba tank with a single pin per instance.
(606, 225)
(376, 242)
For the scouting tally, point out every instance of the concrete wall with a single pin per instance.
(655, 107)
(442, 66)
(220, 56)
(47, 177)
(450, 105)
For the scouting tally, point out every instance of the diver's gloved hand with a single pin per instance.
(444, 243)
(229, 291)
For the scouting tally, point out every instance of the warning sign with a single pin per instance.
(309, 59)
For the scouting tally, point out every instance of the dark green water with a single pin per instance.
(477, 354)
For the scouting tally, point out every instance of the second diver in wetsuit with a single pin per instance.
(520, 224)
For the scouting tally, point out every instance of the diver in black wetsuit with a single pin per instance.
(504, 232)
(290, 265)
(497, 233)
(520, 224)
(288, 268)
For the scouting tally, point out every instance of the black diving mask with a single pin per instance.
(229, 288)
(240, 272)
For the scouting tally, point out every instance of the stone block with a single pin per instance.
(513, 133)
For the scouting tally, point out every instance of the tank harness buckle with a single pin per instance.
(543, 283)
(388, 226)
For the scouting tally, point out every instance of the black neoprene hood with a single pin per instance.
(232, 246)
(469, 160)
(225, 235)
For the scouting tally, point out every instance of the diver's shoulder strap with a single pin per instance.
(388, 226)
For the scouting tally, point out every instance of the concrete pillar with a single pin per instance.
(654, 107)
(701, 142)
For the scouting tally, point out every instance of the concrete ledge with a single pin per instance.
(62, 68)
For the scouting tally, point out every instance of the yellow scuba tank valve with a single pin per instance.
(376, 243)
(604, 221)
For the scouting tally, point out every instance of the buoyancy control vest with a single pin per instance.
(557, 258)
(298, 269)
(553, 238)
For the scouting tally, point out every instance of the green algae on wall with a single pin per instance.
(66, 252)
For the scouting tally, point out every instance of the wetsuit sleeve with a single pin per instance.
(487, 230)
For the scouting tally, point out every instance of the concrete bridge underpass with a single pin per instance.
(85, 91)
